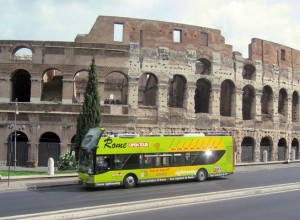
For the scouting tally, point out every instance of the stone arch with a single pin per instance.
(266, 145)
(295, 147)
(282, 149)
(248, 103)
(177, 89)
(203, 66)
(249, 72)
(283, 103)
(22, 52)
(18, 144)
(227, 98)
(202, 96)
(52, 85)
(295, 107)
(267, 103)
(21, 86)
(116, 88)
(148, 87)
(248, 145)
(80, 81)
(49, 147)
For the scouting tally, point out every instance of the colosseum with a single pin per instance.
(154, 77)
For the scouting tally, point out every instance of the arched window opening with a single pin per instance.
(203, 66)
(148, 89)
(52, 87)
(116, 89)
(21, 85)
(265, 149)
(295, 148)
(20, 147)
(247, 154)
(227, 98)
(295, 107)
(248, 103)
(22, 53)
(282, 103)
(80, 81)
(267, 104)
(249, 72)
(49, 147)
(282, 148)
(177, 87)
(202, 96)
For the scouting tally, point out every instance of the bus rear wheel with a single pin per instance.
(129, 181)
(201, 175)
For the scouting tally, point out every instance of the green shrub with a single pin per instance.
(67, 161)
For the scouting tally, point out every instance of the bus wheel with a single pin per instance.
(201, 175)
(129, 181)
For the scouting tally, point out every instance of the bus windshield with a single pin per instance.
(86, 161)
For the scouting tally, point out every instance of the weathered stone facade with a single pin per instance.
(154, 77)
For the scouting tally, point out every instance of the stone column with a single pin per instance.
(36, 90)
(5, 89)
(214, 105)
(189, 102)
(162, 101)
(67, 96)
(258, 96)
(237, 105)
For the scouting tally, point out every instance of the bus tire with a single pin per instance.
(201, 175)
(129, 181)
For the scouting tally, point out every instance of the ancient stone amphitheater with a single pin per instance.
(154, 77)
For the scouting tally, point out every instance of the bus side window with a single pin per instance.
(188, 160)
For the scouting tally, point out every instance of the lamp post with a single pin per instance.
(10, 127)
(16, 113)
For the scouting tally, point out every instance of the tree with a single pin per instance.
(90, 116)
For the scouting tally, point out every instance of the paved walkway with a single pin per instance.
(38, 181)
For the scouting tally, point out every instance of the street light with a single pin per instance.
(10, 127)
(16, 113)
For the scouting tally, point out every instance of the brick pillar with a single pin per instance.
(5, 89)
(36, 90)
(189, 102)
(67, 96)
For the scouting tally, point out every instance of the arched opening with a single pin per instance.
(52, 87)
(227, 98)
(203, 66)
(249, 72)
(21, 86)
(177, 88)
(202, 96)
(283, 104)
(80, 81)
(295, 107)
(295, 148)
(247, 154)
(282, 148)
(20, 147)
(148, 89)
(265, 148)
(116, 89)
(267, 103)
(22, 53)
(49, 147)
(248, 103)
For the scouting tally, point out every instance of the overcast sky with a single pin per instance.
(238, 20)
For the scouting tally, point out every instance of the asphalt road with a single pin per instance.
(61, 198)
(267, 207)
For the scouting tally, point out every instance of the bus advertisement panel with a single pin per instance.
(130, 159)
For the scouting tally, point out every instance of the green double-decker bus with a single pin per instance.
(130, 159)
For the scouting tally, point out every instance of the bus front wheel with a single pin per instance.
(129, 181)
(201, 175)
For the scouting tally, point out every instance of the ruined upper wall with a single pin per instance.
(271, 53)
(154, 34)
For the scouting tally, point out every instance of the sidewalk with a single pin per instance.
(44, 181)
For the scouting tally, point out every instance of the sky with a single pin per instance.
(238, 20)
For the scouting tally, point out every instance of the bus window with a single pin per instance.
(179, 160)
(127, 161)
(167, 160)
(102, 163)
(188, 160)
